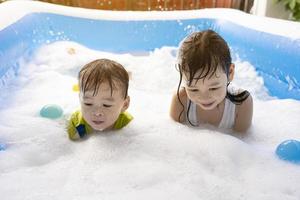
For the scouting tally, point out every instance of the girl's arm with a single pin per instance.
(176, 107)
(243, 116)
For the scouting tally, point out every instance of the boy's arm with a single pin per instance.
(71, 126)
(123, 119)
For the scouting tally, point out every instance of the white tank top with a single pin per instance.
(228, 117)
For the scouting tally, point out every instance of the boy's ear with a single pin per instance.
(126, 103)
(130, 75)
(79, 96)
(231, 72)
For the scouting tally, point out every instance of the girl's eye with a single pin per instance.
(193, 90)
(107, 105)
(88, 104)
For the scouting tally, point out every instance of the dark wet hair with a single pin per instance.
(93, 74)
(203, 52)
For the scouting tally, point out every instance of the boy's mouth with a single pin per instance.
(98, 122)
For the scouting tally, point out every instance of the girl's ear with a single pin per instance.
(126, 104)
(231, 72)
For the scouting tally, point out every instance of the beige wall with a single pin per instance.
(269, 8)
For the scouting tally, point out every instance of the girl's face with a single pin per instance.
(102, 110)
(208, 92)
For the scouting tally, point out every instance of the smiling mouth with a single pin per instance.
(207, 104)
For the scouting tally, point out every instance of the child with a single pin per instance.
(206, 70)
(103, 86)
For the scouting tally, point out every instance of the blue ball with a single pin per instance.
(51, 111)
(289, 150)
(2, 146)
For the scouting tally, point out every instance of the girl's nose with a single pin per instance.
(205, 94)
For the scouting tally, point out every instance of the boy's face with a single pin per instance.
(102, 110)
(209, 92)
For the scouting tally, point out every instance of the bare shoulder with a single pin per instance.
(178, 106)
(244, 112)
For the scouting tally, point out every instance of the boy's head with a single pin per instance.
(103, 85)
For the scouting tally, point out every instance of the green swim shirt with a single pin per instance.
(78, 128)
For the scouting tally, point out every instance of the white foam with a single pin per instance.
(153, 157)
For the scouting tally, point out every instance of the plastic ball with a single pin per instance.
(289, 150)
(2, 147)
(51, 111)
(75, 88)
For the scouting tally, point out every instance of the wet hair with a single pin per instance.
(203, 53)
(93, 74)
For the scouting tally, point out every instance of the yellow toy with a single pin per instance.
(75, 88)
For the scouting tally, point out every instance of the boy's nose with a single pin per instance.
(98, 112)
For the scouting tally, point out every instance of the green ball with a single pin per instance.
(51, 111)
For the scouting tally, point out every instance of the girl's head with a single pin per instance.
(205, 68)
(103, 94)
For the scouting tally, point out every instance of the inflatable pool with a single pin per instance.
(42, 48)
(271, 45)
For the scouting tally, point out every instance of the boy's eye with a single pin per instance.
(107, 105)
(88, 104)
(213, 89)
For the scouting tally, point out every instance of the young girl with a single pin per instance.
(103, 95)
(205, 68)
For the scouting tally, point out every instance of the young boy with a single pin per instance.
(103, 87)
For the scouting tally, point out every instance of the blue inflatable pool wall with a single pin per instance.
(275, 57)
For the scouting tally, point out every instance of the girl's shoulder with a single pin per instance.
(244, 108)
(237, 95)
